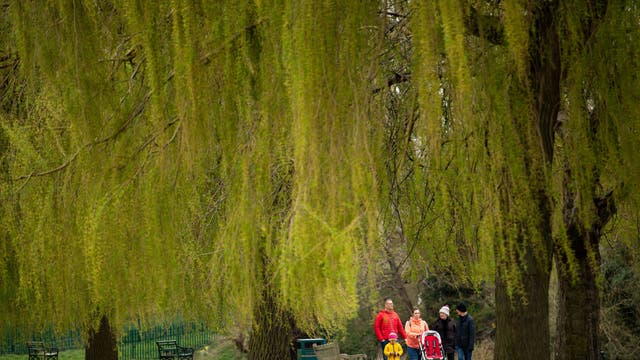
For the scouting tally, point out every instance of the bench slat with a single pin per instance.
(169, 349)
(37, 351)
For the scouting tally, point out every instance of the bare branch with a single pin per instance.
(136, 112)
(47, 172)
(393, 14)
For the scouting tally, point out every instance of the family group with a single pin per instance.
(455, 337)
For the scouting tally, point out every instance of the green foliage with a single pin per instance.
(620, 302)
(189, 157)
(446, 289)
(176, 157)
(497, 166)
(516, 23)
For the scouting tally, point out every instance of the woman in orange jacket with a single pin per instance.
(414, 328)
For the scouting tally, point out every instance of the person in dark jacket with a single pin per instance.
(465, 333)
(446, 327)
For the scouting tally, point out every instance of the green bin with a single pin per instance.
(304, 348)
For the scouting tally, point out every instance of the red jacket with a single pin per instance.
(386, 322)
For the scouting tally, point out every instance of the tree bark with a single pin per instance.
(522, 326)
(578, 306)
(522, 329)
(102, 344)
(578, 323)
(272, 331)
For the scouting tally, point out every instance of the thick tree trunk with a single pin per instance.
(272, 332)
(102, 344)
(578, 307)
(578, 324)
(522, 330)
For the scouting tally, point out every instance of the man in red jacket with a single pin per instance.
(387, 321)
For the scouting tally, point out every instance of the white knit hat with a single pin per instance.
(445, 310)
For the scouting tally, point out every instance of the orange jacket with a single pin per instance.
(414, 331)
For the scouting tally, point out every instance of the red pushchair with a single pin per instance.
(431, 346)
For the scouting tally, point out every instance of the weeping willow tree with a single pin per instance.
(203, 160)
(222, 161)
(97, 191)
(303, 211)
(540, 128)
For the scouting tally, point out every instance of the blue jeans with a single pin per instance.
(414, 354)
(463, 354)
(383, 344)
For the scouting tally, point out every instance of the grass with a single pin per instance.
(223, 350)
(63, 355)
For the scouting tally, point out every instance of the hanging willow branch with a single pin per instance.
(50, 171)
(136, 112)
(486, 26)
(206, 58)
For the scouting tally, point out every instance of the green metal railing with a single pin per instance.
(142, 344)
(134, 344)
(15, 343)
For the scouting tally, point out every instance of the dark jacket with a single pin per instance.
(465, 332)
(447, 331)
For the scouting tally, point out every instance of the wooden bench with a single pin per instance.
(331, 351)
(37, 351)
(169, 349)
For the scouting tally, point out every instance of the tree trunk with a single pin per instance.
(102, 344)
(522, 330)
(272, 331)
(578, 307)
(578, 324)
